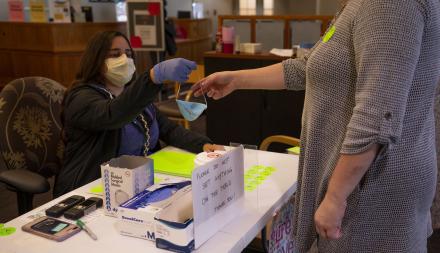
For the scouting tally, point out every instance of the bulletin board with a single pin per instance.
(145, 25)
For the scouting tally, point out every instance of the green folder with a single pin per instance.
(180, 164)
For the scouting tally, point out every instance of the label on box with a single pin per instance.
(122, 178)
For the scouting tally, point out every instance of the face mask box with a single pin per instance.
(122, 178)
(136, 216)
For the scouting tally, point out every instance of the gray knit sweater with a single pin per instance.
(373, 81)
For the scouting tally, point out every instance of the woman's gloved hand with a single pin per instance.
(177, 69)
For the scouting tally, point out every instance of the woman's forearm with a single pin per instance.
(269, 78)
(348, 173)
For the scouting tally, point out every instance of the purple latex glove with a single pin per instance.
(177, 69)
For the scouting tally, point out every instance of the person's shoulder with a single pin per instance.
(395, 8)
(84, 90)
(422, 5)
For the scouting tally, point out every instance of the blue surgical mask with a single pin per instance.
(190, 110)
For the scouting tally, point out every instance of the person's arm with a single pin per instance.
(221, 84)
(289, 74)
(175, 135)
(88, 109)
(347, 174)
(387, 37)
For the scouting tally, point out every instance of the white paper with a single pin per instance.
(145, 27)
(218, 191)
(282, 52)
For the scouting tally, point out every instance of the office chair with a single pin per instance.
(30, 145)
(283, 139)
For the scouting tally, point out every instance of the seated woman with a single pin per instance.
(108, 112)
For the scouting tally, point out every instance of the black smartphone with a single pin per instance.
(51, 228)
(58, 209)
(87, 206)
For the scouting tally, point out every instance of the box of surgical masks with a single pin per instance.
(122, 178)
(136, 216)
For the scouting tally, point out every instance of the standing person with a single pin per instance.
(367, 170)
(108, 112)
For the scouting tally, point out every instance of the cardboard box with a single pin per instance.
(136, 216)
(122, 178)
(251, 48)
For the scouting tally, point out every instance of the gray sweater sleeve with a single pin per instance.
(295, 73)
(387, 38)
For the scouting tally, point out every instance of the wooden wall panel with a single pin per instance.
(53, 50)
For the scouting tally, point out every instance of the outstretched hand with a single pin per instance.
(177, 69)
(217, 85)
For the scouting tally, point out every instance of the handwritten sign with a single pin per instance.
(218, 190)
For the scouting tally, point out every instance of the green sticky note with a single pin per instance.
(97, 189)
(266, 173)
(157, 180)
(271, 169)
(329, 34)
(5, 231)
(173, 163)
(294, 150)
(261, 177)
(250, 187)
(248, 179)
(252, 173)
(259, 181)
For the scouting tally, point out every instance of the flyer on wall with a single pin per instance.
(59, 11)
(37, 11)
(145, 25)
(16, 10)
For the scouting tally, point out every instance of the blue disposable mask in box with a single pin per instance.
(190, 110)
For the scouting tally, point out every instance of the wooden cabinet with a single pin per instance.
(249, 116)
(193, 38)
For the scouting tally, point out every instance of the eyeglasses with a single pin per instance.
(117, 52)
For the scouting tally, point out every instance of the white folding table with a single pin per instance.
(260, 205)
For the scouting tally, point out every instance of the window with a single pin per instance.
(268, 7)
(248, 7)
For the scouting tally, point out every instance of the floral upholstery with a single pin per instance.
(30, 125)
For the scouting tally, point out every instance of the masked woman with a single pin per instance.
(109, 112)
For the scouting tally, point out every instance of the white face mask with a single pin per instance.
(119, 70)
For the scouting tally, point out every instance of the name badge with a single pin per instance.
(329, 34)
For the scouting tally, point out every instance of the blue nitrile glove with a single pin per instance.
(177, 69)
